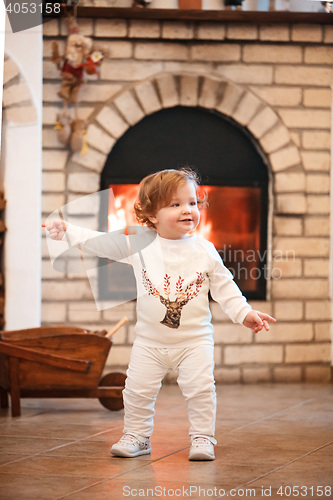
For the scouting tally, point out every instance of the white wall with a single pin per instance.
(331, 232)
(22, 185)
(2, 48)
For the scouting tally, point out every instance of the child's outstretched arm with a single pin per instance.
(112, 245)
(257, 320)
(57, 229)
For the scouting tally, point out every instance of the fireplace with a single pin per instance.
(183, 87)
(234, 178)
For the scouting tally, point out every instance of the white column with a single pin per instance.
(2, 50)
(331, 229)
(22, 186)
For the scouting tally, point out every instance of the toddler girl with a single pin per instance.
(174, 271)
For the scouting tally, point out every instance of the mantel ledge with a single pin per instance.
(227, 16)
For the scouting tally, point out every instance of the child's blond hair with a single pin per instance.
(156, 191)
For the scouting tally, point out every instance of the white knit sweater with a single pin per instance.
(173, 278)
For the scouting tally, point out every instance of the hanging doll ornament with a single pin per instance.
(78, 142)
(77, 60)
(64, 127)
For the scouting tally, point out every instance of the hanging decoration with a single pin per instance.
(79, 59)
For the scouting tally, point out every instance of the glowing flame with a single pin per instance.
(231, 222)
(121, 202)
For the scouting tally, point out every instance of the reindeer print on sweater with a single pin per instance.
(173, 307)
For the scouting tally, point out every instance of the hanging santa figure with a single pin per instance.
(77, 60)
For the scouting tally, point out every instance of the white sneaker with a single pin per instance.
(202, 448)
(130, 446)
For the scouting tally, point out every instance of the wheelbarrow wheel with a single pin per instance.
(113, 379)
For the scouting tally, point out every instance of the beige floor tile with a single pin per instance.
(72, 466)
(28, 445)
(312, 470)
(52, 487)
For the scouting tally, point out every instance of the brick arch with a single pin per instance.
(18, 105)
(164, 90)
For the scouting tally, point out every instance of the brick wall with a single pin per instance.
(275, 80)
(18, 106)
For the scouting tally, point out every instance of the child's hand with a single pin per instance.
(257, 320)
(57, 229)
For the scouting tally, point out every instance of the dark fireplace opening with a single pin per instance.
(234, 176)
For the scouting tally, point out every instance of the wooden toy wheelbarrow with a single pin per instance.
(57, 362)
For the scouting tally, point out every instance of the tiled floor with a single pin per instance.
(271, 438)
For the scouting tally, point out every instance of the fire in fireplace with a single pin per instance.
(234, 176)
(231, 222)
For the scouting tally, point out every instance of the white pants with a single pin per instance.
(148, 365)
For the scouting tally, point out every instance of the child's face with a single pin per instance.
(180, 216)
